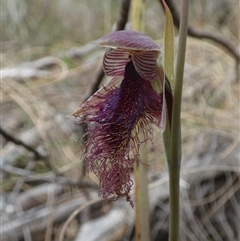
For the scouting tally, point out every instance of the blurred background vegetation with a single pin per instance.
(48, 67)
(60, 24)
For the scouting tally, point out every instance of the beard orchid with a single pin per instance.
(116, 113)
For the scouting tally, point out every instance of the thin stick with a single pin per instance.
(19, 142)
(142, 220)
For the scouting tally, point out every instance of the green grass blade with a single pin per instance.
(169, 45)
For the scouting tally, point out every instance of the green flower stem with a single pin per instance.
(142, 223)
(175, 144)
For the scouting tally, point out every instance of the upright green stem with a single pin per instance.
(142, 224)
(175, 143)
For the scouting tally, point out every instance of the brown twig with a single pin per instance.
(202, 34)
(38, 156)
(19, 142)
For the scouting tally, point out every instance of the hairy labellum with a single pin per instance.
(115, 115)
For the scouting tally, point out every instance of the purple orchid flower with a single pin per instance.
(117, 112)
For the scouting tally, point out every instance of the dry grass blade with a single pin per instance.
(74, 214)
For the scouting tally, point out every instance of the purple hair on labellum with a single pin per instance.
(117, 112)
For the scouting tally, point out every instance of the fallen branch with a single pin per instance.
(202, 34)
(38, 220)
(34, 69)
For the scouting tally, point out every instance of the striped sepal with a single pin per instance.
(114, 62)
(145, 64)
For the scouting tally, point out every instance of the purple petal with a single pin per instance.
(129, 40)
(145, 64)
(114, 62)
(88, 107)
